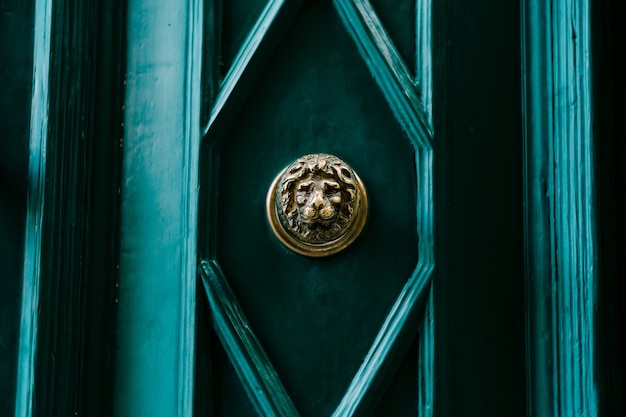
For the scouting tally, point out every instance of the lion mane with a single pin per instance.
(324, 164)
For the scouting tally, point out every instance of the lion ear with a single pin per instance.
(297, 166)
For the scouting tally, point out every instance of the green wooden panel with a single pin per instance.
(321, 81)
(236, 21)
(566, 258)
(479, 285)
(16, 74)
(312, 98)
(609, 104)
(157, 263)
(68, 259)
(399, 18)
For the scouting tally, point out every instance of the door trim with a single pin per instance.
(561, 230)
(156, 312)
(401, 91)
(70, 253)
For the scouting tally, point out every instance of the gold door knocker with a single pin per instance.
(317, 206)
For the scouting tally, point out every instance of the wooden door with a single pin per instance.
(485, 281)
(354, 332)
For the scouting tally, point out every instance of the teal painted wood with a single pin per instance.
(229, 94)
(388, 68)
(222, 100)
(211, 46)
(561, 235)
(16, 78)
(426, 334)
(101, 252)
(426, 360)
(190, 189)
(424, 42)
(246, 67)
(35, 211)
(156, 317)
(574, 209)
(388, 347)
(478, 287)
(399, 88)
(538, 189)
(253, 367)
(61, 276)
(609, 109)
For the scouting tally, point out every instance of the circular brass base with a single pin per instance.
(330, 247)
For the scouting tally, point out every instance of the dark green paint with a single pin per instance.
(427, 352)
(16, 74)
(305, 102)
(243, 347)
(499, 195)
(302, 105)
(479, 281)
(232, 90)
(609, 103)
(399, 19)
(567, 137)
(573, 208)
(155, 323)
(398, 86)
(69, 268)
(236, 22)
(538, 189)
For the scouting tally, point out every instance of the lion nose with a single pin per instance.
(317, 202)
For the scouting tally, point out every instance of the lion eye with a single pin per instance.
(305, 187)
(331, 186)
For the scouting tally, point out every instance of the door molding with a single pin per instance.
(66, 334)
(156, 310)
(561, 224)
(401, 91)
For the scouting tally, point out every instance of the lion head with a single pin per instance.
(316, 197)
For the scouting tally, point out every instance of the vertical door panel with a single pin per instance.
(318, 318)
(479, 288)
(16, 74)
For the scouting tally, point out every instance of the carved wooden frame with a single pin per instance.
(412, 110)
(561, 224)
(70, 250)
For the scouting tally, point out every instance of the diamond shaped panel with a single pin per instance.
(317, 318)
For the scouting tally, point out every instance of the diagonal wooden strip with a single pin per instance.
(426, 361)
(29, 327)
(400, 91)
(424, 56)
(387, 67)
(249, 62)
(391, 342)
(252, 365)
(575, 220)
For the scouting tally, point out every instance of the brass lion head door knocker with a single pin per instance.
(317, 206)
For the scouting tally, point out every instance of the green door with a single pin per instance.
(319, 78)
(320, 208)
(354, 332)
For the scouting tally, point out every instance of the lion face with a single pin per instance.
(317, 205)
(316, 198)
